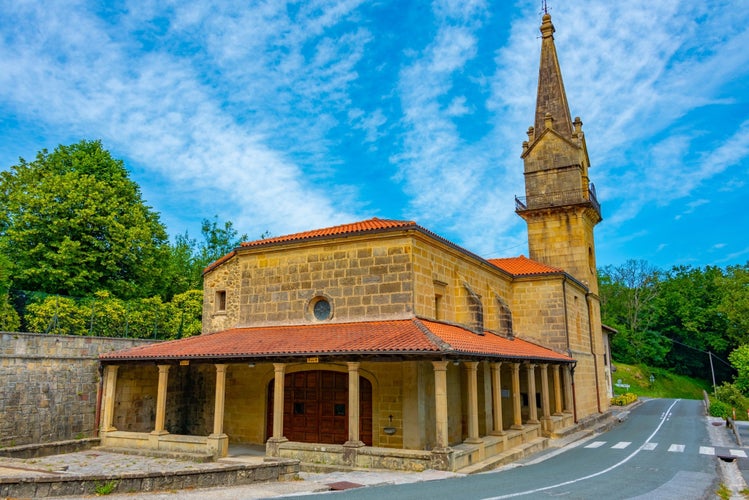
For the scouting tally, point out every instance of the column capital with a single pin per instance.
(353, 366)
(440, 365)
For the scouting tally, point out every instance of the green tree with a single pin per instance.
(739, 358)
(57, 315)
(217, 240)
(686, 311)
(9, 320)
(185, 315)
(734, 303)
(627, 295)
(73, 223)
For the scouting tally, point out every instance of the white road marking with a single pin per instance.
(677, 448)
(707, 450)
(596, 444)
(649, 446)
(595, 474)
(738, 453)
(621, 445)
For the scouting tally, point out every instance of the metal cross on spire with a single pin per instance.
(544, 7)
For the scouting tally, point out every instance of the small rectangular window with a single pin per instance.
(220, 300)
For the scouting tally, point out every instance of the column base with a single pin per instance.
(474, 441)
(517, 427)
(273, 446)
(498, 433)
(351, 452)
(442, 459)
(218, 444)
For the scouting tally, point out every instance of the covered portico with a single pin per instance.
(425, 397)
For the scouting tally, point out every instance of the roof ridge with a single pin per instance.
(431, 336)
(362, 226)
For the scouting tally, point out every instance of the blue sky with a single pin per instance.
(285, 117)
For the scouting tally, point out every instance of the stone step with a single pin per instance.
(179, 455)
(512, 455)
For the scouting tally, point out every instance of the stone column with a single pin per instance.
(272, 447)
(496, 400)
(471, 368)
(442, 456)
(161, 400)
(440, 404)
(567, 376)
(545, 403)
(353, 405)
(557, 390)
(218, 441)
(517, 416)
(532, 409)
(110, 387)
(218, 409)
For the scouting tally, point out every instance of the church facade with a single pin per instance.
(381, 344)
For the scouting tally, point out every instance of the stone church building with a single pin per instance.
(381, 344)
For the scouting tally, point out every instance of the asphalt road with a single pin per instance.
(662, 451)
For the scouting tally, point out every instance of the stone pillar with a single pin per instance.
(110, 387)
(567, 376)
(161, 401)
(471, 368)
(532, 408)
(496, 400)
(353, 405)
(218, 441)
(557, 390)
(440, 404)
(442, 456)
(272, 447)
(545, 403)
(517, 418)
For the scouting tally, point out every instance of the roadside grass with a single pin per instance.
(665, 384)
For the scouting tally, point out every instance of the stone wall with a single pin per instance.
(49, 385)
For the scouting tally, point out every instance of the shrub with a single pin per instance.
(720, 409)
(624, 399)
(731, 395)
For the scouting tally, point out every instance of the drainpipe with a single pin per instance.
(99, 392)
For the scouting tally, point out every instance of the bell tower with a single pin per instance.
(560, 205)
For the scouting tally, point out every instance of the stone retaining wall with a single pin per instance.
(40, 487)
(50, 384)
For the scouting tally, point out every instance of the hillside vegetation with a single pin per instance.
(665, 384)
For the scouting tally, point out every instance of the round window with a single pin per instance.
(321, 309)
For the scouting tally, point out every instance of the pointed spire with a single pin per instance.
(551, 102)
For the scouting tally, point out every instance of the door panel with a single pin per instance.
(316, 407)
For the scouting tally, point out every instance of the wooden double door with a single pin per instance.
(315, 408)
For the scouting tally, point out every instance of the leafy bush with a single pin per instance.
(731, 395)
(720, 409)
(624, 399)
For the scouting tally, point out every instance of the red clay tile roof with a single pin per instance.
(523, 266)
(397, 337)
(373, 224)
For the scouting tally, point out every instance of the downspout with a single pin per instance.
(99, 392)
(592, 351)
(569, 349)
